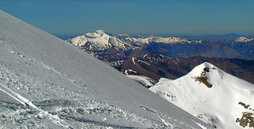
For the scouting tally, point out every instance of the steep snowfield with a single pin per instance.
(211, 95)
(98, 40)
(48, 83)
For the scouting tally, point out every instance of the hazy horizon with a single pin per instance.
(196, 17)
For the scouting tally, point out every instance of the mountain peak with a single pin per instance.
(207, 67)
(97, 33)
(98, 40)
(100, 31)
(211, 95)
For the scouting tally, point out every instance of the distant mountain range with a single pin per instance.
(100, 41)
(171, 57)
(212, 37)
(215, 37)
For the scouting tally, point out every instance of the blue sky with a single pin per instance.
(136, 16)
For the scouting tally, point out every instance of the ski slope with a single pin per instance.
(48, 83)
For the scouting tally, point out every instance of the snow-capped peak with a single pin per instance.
(98, 40)
(100, 31)
(97, 33)
(208, 70)
(243, 39)
(211, 95)
(170, 40)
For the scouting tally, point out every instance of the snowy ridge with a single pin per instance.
(98, 40)
(243, 40)
(157, 39)
(211, 95)
(57, 78)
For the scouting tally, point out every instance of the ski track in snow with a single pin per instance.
(59, 115)
(169, 122)
(133, 60)
(28, 103)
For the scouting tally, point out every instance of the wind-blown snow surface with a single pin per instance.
(219, 105)
(48, 83)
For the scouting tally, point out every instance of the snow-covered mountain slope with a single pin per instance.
(98, 40)
(211, 95)
(48, 83)
(243, 39)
